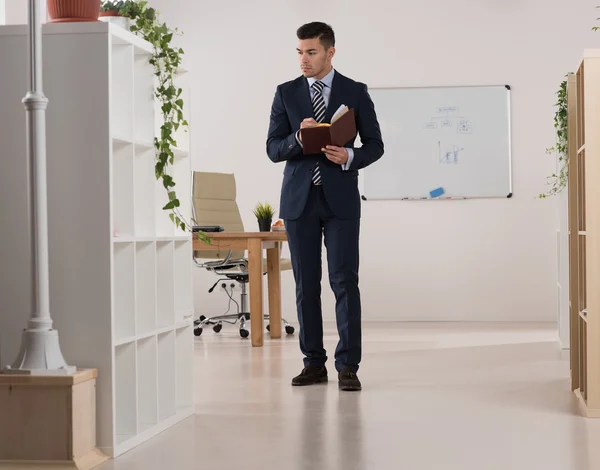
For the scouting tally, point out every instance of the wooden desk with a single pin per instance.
(255, 242)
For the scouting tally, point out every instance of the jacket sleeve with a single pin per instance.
(370, 134)
(281, 139)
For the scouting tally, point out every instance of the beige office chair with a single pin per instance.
(214, 204)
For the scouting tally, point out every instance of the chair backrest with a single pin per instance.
(214, 203)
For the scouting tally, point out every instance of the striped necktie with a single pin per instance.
(318, 104)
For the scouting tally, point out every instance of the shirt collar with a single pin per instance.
(327, 79)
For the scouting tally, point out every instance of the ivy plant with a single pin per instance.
(165, 60)
(558, 181)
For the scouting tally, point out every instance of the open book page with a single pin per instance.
(343, 109)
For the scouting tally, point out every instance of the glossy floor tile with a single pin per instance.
(449, 396)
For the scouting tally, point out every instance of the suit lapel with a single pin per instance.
(303, 97)
(336, 96)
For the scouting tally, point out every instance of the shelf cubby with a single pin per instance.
(122, 91)
(145, 287)
(183, 280)
(166, 375)
(147, 377)
(164, 225)
(165, 284)
(145, 181)
(143, 79)
(126, 391)
(184, 344)
(124, 290)
(123, 184)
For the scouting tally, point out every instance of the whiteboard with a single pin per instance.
(454, 138)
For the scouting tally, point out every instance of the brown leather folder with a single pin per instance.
(339, 133)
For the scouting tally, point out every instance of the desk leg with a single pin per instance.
(274, 284)
(256, 290)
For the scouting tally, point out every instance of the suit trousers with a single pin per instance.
(305, 238)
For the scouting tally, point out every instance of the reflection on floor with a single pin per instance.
(448, 396)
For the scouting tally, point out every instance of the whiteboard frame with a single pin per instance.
(444, 198)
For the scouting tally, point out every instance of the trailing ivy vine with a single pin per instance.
(558, 181)
(165, 59)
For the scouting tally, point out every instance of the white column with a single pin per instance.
(2, 12)
(40, 349)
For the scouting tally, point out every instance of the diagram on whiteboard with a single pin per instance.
(449, 155)
(464, 127)
(448, 117)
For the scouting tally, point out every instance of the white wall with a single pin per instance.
(16, 11)
(474, 260)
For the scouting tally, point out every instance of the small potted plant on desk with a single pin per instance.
(264, 214)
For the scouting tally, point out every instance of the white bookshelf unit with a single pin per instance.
(120, 271)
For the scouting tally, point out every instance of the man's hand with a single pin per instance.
(308, 122)
(337, 155)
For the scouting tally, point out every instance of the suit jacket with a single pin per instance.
(291, 105)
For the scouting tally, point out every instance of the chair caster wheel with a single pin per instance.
(268, 327)
(289, 330)
(202, 318)
(218, 327)
(197, 331)
(244, 333)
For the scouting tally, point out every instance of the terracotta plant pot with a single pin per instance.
(110, 13)
(65, 11)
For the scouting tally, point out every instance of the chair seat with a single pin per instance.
(285, 264)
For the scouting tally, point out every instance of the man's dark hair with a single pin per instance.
(319, 30)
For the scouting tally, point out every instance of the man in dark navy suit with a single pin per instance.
(319, 197)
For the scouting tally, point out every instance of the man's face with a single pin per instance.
(315, 61)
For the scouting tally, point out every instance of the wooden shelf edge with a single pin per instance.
(81, 375)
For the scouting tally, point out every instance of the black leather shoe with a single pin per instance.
(311, 375)
(348, 380)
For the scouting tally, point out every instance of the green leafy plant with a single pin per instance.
(112, 6)
(558, 181)
(264, 211)
(165, 59)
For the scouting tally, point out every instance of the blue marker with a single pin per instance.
(436, 192)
